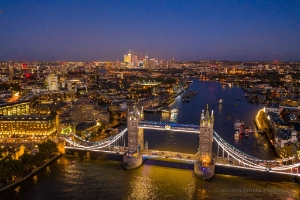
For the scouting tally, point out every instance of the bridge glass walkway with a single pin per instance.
(169, 126)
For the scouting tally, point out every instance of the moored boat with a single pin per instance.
(237, 134)
(167, 127)
(249, 130)
(184, 99)
(174, 110)
(165, 111)
(246, 134)
(238, 124)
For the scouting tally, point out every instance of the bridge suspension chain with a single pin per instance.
(240, 156)
(251, 158)
(100, 144)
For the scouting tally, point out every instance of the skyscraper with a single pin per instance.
(127, 58)
(52, 82)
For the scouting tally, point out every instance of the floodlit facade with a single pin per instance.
(27, 125)
(52, 82)
(19, 108)
(127, 58)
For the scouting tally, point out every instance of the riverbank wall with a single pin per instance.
(263, 124)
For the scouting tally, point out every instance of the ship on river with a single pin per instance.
(188, 96)
(170, 111)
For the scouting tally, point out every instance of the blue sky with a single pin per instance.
(184, 30)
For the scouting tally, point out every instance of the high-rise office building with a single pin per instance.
(127, 58)
(52, 82)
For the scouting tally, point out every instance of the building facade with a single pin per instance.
(127, 58)
(27, 126)
(17, 108)
(52, 82)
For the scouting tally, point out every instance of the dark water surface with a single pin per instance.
(81, 178)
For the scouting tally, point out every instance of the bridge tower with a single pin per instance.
(135, 134)
(132, 157)
(204, 166)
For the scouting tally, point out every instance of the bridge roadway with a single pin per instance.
(150, 153)
(169, 154)
(187, 158)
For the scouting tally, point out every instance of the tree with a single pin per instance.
(5, 171)
(27, 160)
(39, 159)
(10, 168)
(17, 168)
(48, 148)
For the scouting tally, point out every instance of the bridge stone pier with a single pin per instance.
(133, 158)
(204, 166)
(61, 146)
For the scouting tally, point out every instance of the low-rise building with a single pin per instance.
(14, 152)
(285, 136)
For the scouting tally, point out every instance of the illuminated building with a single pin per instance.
(27, 125)
(127, 58)
(135, 60)
(153, 62)
(54, 96)
(14, 152)
(88, 114)
(52, 82)
(146, 61)
(16, 108)
(69, 85)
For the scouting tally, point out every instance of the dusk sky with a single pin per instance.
(64, 30)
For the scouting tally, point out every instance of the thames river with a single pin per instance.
(82, 178)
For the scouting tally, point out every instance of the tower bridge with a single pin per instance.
(204, 160)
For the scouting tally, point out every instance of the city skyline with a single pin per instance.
(185, 31)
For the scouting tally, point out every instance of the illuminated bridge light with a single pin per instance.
(96, 145)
